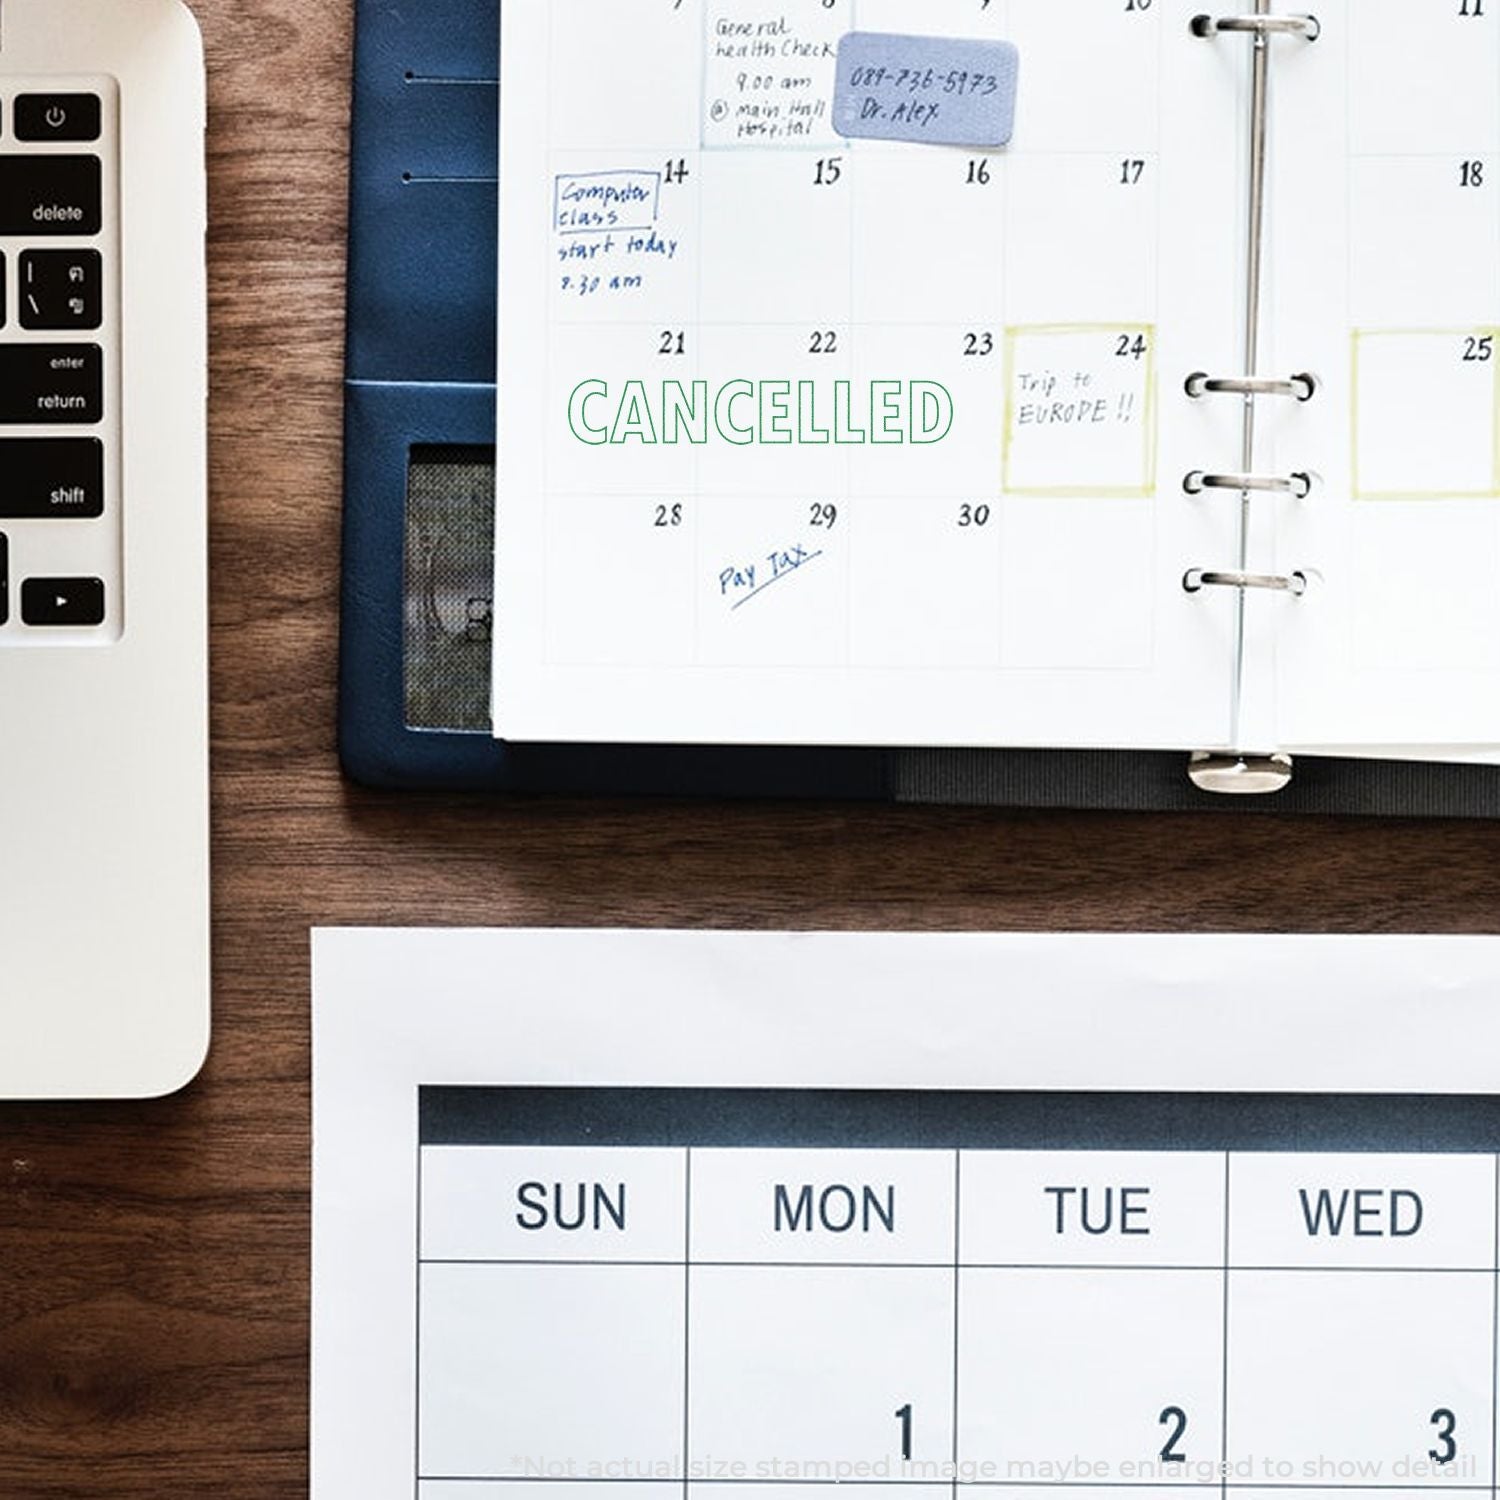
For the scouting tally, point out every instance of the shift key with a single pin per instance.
(42, 478)
(43, 384)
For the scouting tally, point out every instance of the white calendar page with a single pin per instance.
(677, 208)
(1386, 267)
(701, 1215)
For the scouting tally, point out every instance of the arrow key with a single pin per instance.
(52, 602)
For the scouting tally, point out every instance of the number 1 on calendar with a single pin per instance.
(904, 1416)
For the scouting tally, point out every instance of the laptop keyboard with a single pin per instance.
(60, 527)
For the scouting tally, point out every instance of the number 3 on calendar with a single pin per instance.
(1447, 1430)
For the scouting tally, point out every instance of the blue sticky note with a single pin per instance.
(943, 91)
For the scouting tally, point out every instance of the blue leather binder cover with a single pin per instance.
(420, 375)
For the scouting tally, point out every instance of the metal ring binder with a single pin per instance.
(1301, 387)
(1240, 775)
(1233, 771)
(1298, 484)
(1197, 579)
(1261, 25)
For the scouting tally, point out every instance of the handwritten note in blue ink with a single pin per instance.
(939, 90)
(591, 202)
(746, 581)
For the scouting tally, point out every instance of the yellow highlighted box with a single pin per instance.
(1080, 411)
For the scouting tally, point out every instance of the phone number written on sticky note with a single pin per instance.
(935, 90)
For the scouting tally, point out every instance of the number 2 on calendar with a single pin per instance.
(1176, 1418)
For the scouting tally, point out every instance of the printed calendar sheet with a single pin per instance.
(600, 1215)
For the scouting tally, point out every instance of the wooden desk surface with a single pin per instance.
(154, 1260)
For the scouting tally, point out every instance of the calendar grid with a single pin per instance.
(864, 610)
(1452, 1198)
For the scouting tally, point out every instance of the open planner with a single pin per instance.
(1023, 373)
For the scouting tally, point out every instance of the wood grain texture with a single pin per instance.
(154, 1260)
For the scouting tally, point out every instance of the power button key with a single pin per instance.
(58, 117)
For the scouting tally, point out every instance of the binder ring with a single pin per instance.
(1240, 775)
(1198, 579)
(1306, 27)
(1298, 485)
(1303, 387)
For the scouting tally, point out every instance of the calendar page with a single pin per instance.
(1387, 283)
(841, 350)
(692, 1216)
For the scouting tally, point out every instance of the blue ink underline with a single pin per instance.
(772, 582)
